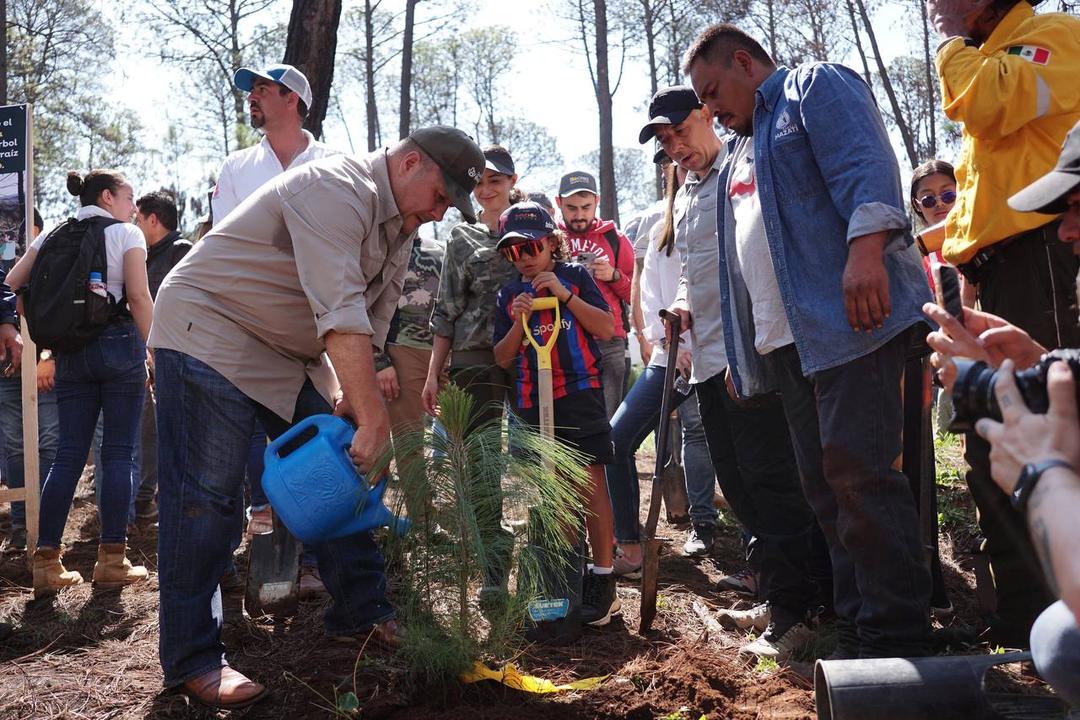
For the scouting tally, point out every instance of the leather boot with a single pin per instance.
(113, 569)
(50, 576)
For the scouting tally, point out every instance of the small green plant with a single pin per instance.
(997, 650)
(465, 477)
(766, 665)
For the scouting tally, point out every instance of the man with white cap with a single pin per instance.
(278, 99)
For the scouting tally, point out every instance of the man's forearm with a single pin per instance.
(637, 317)
(354, 362)
(1051, 517)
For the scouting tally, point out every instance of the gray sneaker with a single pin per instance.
(624, 568)
(744, 582)
(700, 541)
(778, 643)
(756, 618)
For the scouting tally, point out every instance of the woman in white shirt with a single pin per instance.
(107, 376)
(639, 412)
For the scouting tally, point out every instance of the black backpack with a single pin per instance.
(61, 312)
(612, 236)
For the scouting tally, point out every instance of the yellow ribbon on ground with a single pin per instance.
(511, 677)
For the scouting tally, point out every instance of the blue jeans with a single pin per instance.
(846, 424)
(205, 426)
(1055, 646)
(11, 430)
(106, 376)
(636, 417)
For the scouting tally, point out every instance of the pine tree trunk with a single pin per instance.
(931, 84)
(310, 46)
(609, 200)
(901, 122)
(369, 78)
(405, 105)
(649, 17)
(858, 44)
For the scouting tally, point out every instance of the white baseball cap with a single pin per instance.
(285, 75)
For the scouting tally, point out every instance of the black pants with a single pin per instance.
(751, 453)
(1031, 282)
(846, 424)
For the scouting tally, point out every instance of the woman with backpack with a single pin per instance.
(105, 375)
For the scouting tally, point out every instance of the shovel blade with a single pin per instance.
(273, 573)
(650, 569)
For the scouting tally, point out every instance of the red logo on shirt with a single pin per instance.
(742, 188)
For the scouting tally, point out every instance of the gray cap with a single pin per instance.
(575, 182)
(1047, 194)
(285, 75)
(460, 159)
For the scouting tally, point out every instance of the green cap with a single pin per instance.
(460, 159)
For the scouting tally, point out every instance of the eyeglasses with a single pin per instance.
(515, 252)
(947, 198)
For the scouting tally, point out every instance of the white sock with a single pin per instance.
(596, 570)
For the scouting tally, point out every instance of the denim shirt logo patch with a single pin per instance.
(785, 125)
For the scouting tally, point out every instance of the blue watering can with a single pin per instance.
(314, 487)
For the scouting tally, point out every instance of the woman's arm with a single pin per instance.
(19, 275)
(440, 350)
(137, 290)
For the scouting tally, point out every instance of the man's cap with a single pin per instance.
(542, 199)
(575, 182)
(1047, 194)
(669, 106)
(499, 160)
(285, 75)
(460, 159)
(524, 221)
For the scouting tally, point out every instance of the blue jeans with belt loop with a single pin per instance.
(205, 425)
(11, 434)
(105, 376)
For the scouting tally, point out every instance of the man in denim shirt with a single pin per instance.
(829, 325)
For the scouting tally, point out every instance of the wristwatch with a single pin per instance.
(1029, 476)
(45, 355)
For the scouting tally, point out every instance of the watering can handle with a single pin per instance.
(543, 352)
(292, 433)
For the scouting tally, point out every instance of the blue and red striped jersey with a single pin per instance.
(575, 359)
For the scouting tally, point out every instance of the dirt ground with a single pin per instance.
(82, 655)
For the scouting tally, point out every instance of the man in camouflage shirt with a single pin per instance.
(402, 369)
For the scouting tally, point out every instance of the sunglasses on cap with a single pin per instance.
(947, 198)
(529, 248)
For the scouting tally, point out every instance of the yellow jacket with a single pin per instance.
(1017, 96)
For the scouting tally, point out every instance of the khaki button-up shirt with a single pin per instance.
(318, 249)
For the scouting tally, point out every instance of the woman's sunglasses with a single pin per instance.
(947, 198)
(530, 248)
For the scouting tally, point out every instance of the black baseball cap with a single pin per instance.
(524, 221)
(499, 160)
(460, 159)
(1047, 194)
(575, 182)
(669, 106)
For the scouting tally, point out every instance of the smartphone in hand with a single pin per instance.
(947, 289)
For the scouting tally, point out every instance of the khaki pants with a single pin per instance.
(407, 409)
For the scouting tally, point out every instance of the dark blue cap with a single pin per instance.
(524, 221)
(669, 106)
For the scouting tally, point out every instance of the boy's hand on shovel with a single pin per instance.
(522, 305)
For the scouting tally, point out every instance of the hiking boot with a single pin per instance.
(223, 688)
(622, 567)
(700, 541)
(778, 642)
(260, 522)
(598, 599)
(17, 541)
(50, 576)
(113, 570)
(145, 510)
(388, 635)
(756, 618)
(744, 582)
(311, 584)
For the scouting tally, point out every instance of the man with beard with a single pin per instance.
(819, 289)
(278, 100)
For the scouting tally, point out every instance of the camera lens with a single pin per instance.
(973, 395)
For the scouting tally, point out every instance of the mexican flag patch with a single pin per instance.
(1037, 55)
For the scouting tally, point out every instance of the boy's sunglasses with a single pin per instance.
(947, 198)
(529, 248)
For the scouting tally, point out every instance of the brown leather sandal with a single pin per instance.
(384, 636)
(224, 689)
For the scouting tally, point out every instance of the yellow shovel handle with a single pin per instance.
(543, 352)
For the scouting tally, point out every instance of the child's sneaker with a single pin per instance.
(624, 568)
(599, 600)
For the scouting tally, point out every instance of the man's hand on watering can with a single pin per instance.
(370, 439)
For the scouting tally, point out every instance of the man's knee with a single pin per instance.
(1055, 646)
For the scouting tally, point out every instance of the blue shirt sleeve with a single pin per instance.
(503, 323)
(852, 149)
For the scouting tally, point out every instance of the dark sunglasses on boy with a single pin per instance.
(529, 248)
(947, 198)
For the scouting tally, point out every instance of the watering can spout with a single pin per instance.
(374, 514)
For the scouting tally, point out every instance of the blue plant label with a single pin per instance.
(548, 610)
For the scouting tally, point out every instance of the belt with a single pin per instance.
(970, 270)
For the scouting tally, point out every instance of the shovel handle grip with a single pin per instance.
(543, 352)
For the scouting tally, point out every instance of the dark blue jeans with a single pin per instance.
(755, 467)
(636, 417)
(11, 432)
(106, 376)
(846, 425)
(205, 426)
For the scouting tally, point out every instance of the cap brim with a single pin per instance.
(1047, 194)
(496, 167)
(575, 191)
(461, 198)
(649, 131)
(244, 79)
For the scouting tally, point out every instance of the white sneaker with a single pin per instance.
(756, 618)
(779, 646)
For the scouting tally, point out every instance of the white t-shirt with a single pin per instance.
(119, 239)
(659, 288)
(771, 329)
(245, 171)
